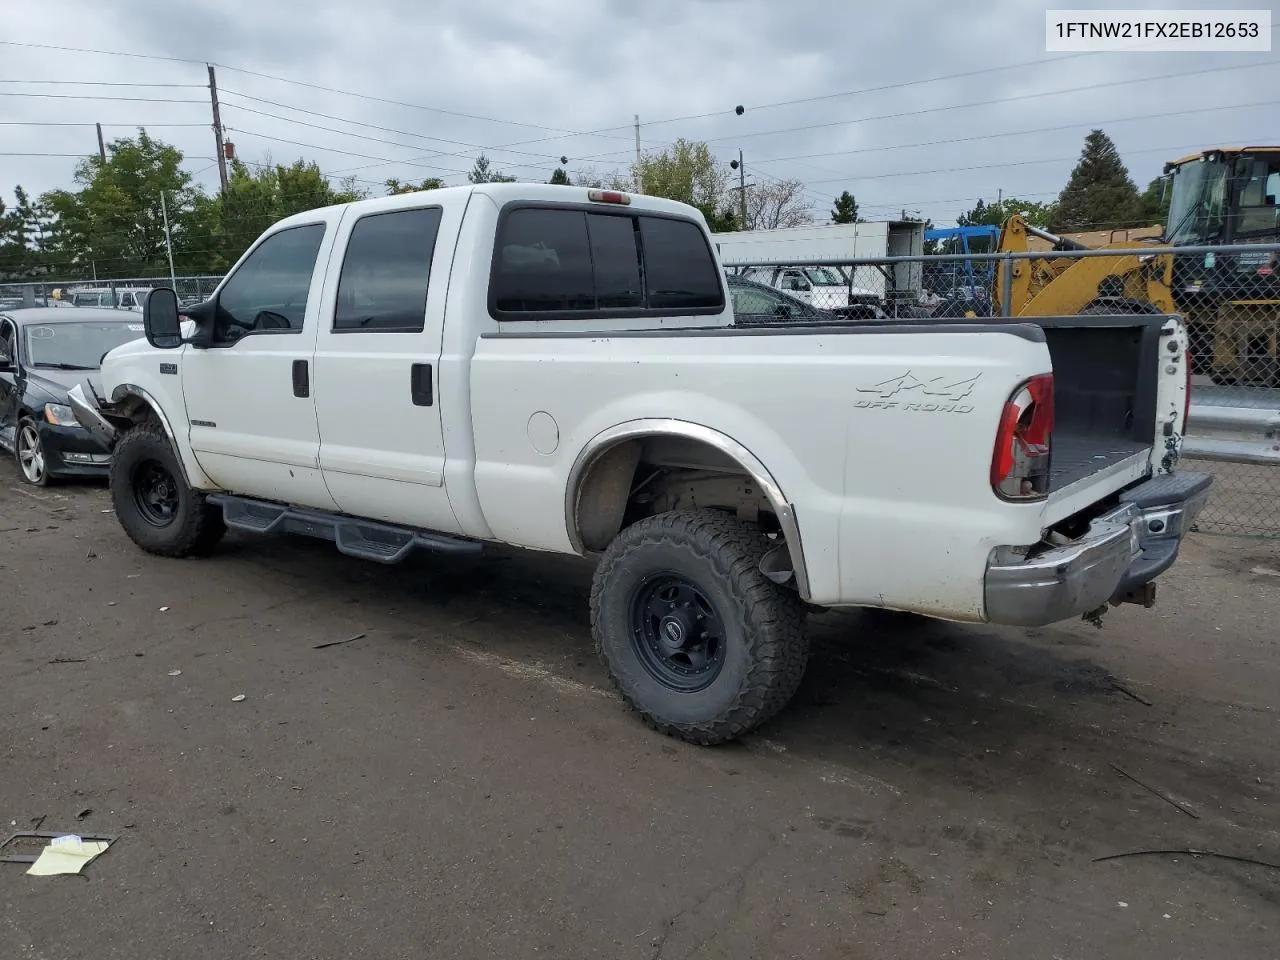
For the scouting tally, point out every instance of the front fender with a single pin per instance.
(195, 477)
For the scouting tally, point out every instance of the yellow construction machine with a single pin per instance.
(1230, 299)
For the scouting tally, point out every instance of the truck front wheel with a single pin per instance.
(153, 502)
(696, 638)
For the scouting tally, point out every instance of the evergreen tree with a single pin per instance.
(1155, 202)
(846, 209)
(559, 177)
(1100, 193)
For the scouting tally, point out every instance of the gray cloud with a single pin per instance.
(545, 67)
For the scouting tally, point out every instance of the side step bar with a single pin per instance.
(366, 539)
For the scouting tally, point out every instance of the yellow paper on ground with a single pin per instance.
(66, 855)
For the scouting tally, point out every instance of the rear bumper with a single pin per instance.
(1122, 551)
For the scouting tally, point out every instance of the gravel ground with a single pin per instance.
(460, 781)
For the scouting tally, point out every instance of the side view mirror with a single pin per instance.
(160, 320)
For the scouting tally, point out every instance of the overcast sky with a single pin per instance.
(545, 78)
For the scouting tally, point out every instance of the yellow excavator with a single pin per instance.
(1230, 299)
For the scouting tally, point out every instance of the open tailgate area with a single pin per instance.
(1106, 373)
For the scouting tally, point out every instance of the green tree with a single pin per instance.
(1155, 202)
(1100, 192)
(482, 172)
(258, 197)
(394, 186)
(687, 172)
(558, 176)
(984, 214)
(113, 223)
(846, 209)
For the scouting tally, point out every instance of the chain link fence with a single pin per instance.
(1229, 297)
(124, 292)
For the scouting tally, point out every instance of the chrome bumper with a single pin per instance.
(1123, 551)
(84, 404)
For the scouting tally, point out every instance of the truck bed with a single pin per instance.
(1105, 372)
(1077, 456)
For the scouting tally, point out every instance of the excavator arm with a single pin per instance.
(1128, 282)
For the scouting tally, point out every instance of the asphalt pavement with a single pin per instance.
(457, 780)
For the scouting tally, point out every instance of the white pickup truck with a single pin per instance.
(558, 368)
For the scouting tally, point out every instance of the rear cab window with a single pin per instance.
(575, 262)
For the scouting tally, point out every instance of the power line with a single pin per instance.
(90, 96)
(359, 123)
(363, 156)
(89, 123)
(897, 85)
(985, 166)
(964, 106)
(105, 83)
(1018, 133)
(300, 83)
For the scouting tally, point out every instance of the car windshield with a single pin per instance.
(824, 277)
(1195, 207)
(76, 346)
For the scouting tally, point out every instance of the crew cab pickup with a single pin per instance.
(558, 368)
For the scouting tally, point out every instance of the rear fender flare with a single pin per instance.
(611, 438)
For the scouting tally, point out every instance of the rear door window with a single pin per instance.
(383, 284)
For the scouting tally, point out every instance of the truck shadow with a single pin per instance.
(877, 679)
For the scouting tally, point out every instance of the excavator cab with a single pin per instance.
(1229, 299)
(1229, 197)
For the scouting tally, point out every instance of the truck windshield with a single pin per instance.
(824, 277)
(1196, 205)
(76, 346)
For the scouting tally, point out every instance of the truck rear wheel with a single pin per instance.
(153, 502)
(696, 638)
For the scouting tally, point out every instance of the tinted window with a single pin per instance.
(385, 272)
(544, 262)
(554, 260)
(269, 290)
(615, 261)
(680, 272)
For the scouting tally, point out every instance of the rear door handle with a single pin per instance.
(301, 379)
(420, 384)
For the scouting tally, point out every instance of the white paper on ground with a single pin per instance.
(67, 854)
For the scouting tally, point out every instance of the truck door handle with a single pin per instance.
(420, 384)
(301, 379)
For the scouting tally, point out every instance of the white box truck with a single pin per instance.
(833, 243)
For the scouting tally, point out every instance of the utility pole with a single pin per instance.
(102, 146)
(742, 190)
(638, 168)
(217, 129)
(168, 242)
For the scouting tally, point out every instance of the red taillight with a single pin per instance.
(1186, 403)
(608, 196)
(1020, 461)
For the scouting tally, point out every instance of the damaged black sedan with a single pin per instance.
(43, 353)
